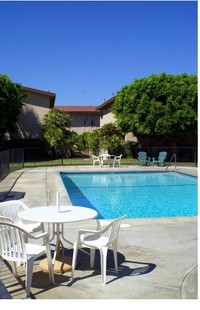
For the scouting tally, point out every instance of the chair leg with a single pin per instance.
(103, 257)
(114, 246)
(92, 257)
(75, 252)
(29, 274)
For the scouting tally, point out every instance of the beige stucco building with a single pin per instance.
(89, 118)
(83, 118)
(106, 115)
(37, 104)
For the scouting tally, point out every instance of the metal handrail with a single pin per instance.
(173, 156)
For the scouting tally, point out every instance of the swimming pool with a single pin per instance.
(138, 195)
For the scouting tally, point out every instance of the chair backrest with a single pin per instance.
(11, 208)
(162, 156)
(119, 157)
(113, 228)
(12, 244)
(142, 155)
(95, 157)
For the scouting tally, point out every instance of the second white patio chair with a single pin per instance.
(15, 250)
(117, 161)
(9, 213)
(100, 239)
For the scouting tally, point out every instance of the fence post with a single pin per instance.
(23, 157)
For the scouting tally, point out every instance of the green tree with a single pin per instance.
(110, 136)
(160, 105)
(87, 142)
(56, 131)
(10, 105)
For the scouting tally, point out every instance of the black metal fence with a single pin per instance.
(16, 159)
(11, 160)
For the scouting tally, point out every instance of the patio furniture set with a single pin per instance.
(18, 223)
(105, 160)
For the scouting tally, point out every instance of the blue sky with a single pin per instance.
(86, 51)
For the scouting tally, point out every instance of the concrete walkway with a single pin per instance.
(157, 257)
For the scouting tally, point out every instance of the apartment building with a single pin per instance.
(37, 104)
(83, 118)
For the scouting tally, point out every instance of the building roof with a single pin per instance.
(52, 96)
(106, 103)
(77, 109)
(86, 109)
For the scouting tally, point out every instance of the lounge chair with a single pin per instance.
(143, 159)
(160, 160)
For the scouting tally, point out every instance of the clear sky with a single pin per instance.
(86, 51)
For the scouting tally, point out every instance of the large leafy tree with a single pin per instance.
(160, 105)
(10, 105)
(57, 131)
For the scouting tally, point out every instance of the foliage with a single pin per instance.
(86, 142)
(108, 136)
(160, 105)
(10, 105)
(57, 133)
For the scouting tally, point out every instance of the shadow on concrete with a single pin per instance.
(126, 268)
(40, 280)
(6, 196)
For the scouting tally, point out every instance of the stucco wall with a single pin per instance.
(84, 122)
(106, 116)
(35, 107)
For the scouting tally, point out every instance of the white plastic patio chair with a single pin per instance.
(101, 239)
(9, 213)
(117, 160)
(14, 249)
(96, 159)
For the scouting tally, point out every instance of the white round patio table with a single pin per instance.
(58, 216)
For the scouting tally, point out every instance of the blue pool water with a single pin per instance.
(138, 195)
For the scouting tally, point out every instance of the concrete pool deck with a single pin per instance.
(157, 257)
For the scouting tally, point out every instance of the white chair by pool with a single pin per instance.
(117, 161)
(9, 212)
(101, 238)
(96, 159)
(15, 250)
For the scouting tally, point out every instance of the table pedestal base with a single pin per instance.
(62, 264)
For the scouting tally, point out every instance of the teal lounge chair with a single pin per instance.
(143, 159)
(160, 160)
